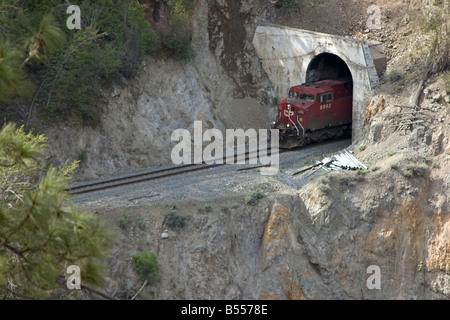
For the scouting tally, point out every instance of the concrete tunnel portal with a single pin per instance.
(327, 66)
(291, 56)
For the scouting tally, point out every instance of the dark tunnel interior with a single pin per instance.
(327, 66)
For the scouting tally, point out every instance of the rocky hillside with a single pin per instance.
(315, 242)
(223, 85)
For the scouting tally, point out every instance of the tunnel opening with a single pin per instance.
(327, 66)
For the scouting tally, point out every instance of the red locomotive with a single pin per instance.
(314, 112)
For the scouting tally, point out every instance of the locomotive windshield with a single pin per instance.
(293, 94)
(301, 96)
(306, 97)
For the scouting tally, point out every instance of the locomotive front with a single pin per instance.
(291, 117)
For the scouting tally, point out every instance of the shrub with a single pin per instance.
(290, 4)
(407, 173)
(297, 5)
(391, 153)
(205, 208)
(83, 155)
(418, 170)
(71, 78)
(345, 181)
(175, 220)
(362, 172)
(141, 224)
(324, 188)
(362, 147)
(394, 76)
(77, 77)
(252, 198)
(176, 40)
(394, 166)
(123, 222)
(146, 265)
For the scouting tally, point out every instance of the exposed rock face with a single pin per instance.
(315, 243)
(219, 86)
(401, 234)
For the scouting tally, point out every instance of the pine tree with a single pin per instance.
(46, 40)
(41, 232)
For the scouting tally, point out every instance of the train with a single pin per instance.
(314, 112)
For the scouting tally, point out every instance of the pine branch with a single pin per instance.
(27, 215)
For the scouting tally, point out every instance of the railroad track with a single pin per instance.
(174, 171)
(154, 175)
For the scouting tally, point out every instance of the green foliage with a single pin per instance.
(253, 198)
(325, 188)
(394, 166)
(83, 155)
(41, 232)
(78, 77)
(416, 170)
(141, 224)
(362, 147)
(348, 182)
(46, 40)
(291, 4)
(175, 220)
(20, 149)
(361, 172)
(176, 40)
(394, 75)
(123, 222)
(114, 39)
(10, 74)
(146, 265)
(391, 153)
(297, 5)
(407, 173)
(205, 208)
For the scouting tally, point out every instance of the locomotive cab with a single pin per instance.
(314, 112)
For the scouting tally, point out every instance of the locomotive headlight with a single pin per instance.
(274, 122)
(288, 125)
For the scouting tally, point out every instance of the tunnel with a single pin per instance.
(327, 66)
(291, 56)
